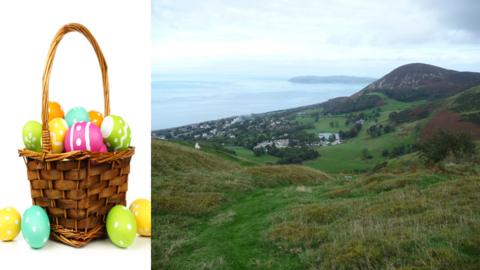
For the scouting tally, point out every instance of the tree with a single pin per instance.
(447, 143)
(398, 151)
(352, 133)
(258, 151)
(366, 154)
(388, 129)
(295, 155)
(375, 131)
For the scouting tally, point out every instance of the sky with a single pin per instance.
(284, 38)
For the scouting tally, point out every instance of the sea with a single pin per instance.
(183, 100)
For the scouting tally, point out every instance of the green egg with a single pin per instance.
(35, 227)
(116, 133)
(32, 136)
(121, 226)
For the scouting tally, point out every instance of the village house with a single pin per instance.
(280, 143)
(329, 138)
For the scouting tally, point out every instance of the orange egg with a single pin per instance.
(96, 118)
(55, 110)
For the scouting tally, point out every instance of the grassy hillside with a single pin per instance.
(212, 213)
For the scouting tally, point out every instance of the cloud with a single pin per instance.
(225, 36)
(460, 16)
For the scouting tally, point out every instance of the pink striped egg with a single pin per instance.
(84, 136)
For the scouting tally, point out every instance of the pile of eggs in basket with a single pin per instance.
(78, 130)
(123, 224)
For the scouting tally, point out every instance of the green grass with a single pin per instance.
(415, 221)
(210, 213)
(347, 157)
(247, 154)
(396, 105)
(323, 124)
(191, 190)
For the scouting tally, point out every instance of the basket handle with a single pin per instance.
(71, 27)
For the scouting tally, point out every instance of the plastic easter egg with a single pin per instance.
(55, 110)
(141, 209)
(121, 226)
(58, 129)
(116, 133)
(36, 227)
(84, 136)
(96, 118)
(10, 222)
(75, 115)
(32, 136)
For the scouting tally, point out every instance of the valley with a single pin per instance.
(277, 191)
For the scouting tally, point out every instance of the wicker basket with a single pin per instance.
(77, 189)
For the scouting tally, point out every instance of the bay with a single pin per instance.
(182, 100)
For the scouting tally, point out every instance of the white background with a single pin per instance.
(122, 29)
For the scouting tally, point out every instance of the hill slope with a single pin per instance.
(419, 81)
(458, 113)
(212, 214)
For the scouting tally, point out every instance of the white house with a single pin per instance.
(197, 146)
(280, 143)
(325, 138)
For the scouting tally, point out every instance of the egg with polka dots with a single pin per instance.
(96, 118)
(84, 136)
(32, 136)
(10, 222)
(116, 133)
(121, 226)
(35, 227)
(58, 129)
(141, 209)
(75, 115)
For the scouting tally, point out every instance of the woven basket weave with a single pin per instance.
(77, 189)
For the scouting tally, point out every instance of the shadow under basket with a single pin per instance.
(77, 189)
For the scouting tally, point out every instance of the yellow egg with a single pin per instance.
(141, 209)
(10, 221)
(58, 129)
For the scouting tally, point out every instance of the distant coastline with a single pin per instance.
(179, 101)
(330, 79)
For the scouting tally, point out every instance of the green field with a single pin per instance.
(211, 213)
(347, 156)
